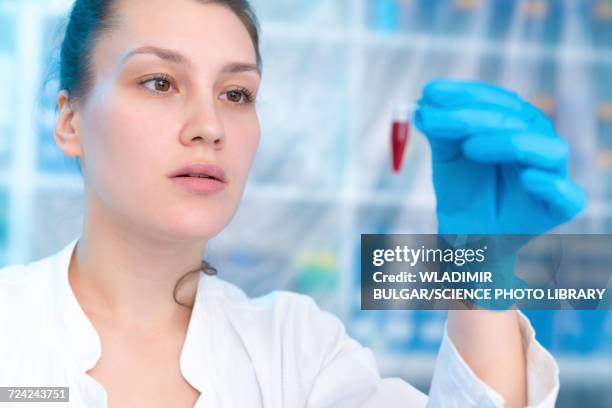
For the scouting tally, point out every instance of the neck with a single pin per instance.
(126, 277)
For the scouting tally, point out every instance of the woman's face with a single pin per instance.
(172, 87)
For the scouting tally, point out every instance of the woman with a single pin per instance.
(157, 102)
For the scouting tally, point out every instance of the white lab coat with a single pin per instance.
(279, 350)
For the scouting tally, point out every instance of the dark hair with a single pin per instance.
(89, 21)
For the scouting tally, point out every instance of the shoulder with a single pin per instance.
(281, 305)
(24, 305)
(294, 319)
(16, 281)
(42, 274)
(24, 288)
(24, 274)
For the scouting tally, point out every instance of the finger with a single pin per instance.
(447, 93)
(460, 123)
(559, 193)
(529, 149)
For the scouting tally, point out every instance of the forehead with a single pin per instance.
(207, 33)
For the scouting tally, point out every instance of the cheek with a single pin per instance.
(243, 134)
(122, 147)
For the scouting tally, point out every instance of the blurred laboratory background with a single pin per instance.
(333, 71)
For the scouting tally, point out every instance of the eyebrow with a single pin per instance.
(177, 58)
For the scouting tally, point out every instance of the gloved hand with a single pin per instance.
(499, 167)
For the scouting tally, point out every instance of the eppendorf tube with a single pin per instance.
(401, 121)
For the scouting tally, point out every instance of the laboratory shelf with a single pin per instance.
(254, 191)
(416, 366)
(279, 32)
(573, 369)
(283, 193)
(420, 368)
(517, 49)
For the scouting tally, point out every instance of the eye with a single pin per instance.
(239, 96)
(159, 84)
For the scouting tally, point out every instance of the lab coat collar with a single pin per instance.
(80, 335)
(84, 343)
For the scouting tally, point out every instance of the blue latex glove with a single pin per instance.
(499, 167)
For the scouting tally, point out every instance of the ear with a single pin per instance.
(66, 133)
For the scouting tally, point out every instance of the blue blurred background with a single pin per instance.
(333, 70)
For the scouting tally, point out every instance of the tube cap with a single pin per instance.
(403, 112)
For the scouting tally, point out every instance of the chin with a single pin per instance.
(196, 227)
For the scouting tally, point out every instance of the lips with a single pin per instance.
(201, 170)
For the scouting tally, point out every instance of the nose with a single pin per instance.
(203, 125)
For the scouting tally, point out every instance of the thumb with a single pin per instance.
(441, 149)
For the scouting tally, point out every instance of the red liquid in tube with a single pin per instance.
(400, 133)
